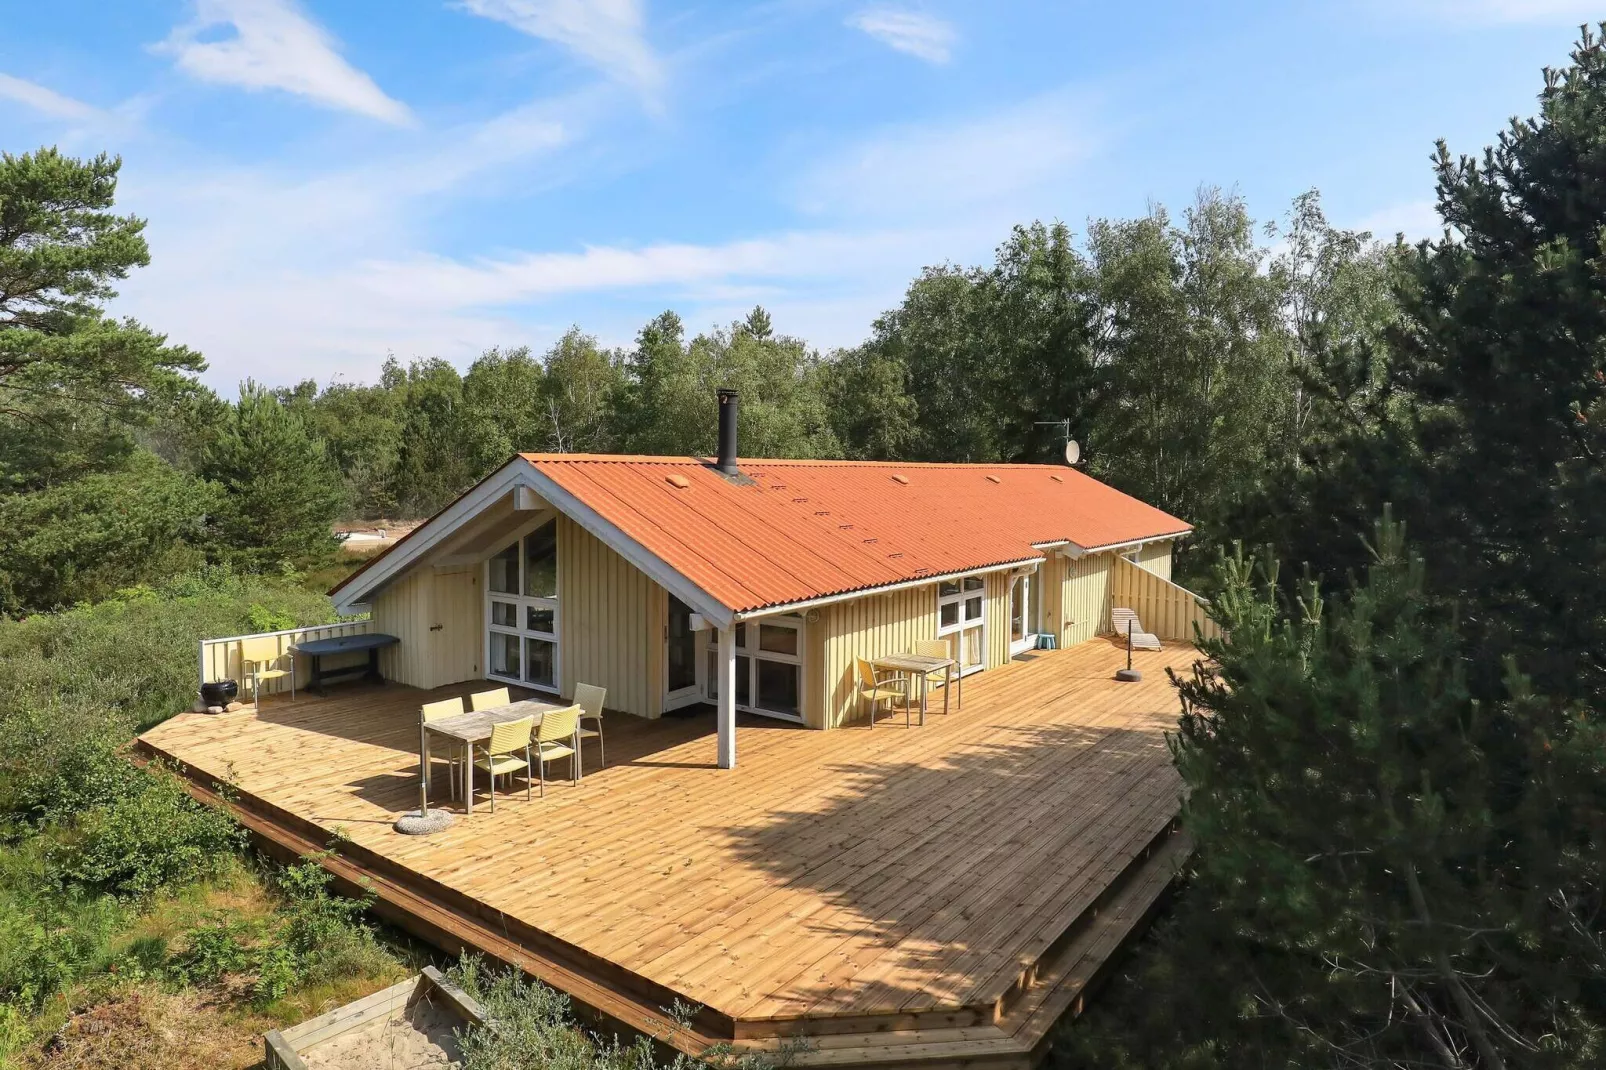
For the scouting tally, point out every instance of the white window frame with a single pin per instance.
(961, 623)
(522, 604)
(1033, 628)
(748, 648)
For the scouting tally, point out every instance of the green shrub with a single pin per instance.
(212, 951)
(154, 836)
(133, 656)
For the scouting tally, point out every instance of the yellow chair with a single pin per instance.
(437, 711)
(891, 688)
(508, 739)
(589, 698)
(484, 700)
(557, 738)
(262, 658)
(936, 648)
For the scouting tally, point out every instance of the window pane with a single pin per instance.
(541, 561)
(744, 681)
(777, 640)
(505, 614)
(778, 686)
(541, 663)
(1034, 604)
(1017, 610)
(505, 571)
(505, 654)
(973, 608)
(713, 675)
(539, 619)
(741, 635)
(974, 583)
(947, 588)
(950, 613)
(970, 652)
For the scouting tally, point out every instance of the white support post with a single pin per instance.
(727, 697)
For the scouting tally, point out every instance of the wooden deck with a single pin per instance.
(903, 896)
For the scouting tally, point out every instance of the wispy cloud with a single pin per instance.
(914, 32)
(610, 34)
(276, 46)
(46, 101)
(996, 159)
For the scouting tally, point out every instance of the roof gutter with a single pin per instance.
(902, 585)
(1074, 551)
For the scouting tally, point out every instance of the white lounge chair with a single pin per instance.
(1126, 623)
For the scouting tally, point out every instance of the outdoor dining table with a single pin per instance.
(912, 665)
(469, 730)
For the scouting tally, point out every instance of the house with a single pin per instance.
(752, 584)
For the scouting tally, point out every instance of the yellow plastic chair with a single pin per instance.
(262, 658)
(438, 711)
(555, 739)
(484, 700)
(589, 698)
(508, 740)
(891, 688)
(935, 648)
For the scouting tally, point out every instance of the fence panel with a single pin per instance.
(1165, 609)
(220, 658)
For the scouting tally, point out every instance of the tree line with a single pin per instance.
(1175, 351)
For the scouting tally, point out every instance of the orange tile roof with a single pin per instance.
(796, 530)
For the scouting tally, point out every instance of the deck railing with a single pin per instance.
(1167, 610)
(220, 658)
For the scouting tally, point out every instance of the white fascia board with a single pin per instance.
(436, 529)
(868, 592)
(656, 569)
(521, 473)
(1129, 544)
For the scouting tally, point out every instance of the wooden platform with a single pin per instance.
(920, 896)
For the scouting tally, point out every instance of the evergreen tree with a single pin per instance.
(281, 492)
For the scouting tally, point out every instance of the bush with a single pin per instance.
(133, 657)
(155, 836)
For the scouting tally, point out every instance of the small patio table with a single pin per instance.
(912, 665)
(471, 729)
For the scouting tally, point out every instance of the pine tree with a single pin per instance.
(281, 492)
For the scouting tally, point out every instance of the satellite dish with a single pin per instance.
(1073, 452)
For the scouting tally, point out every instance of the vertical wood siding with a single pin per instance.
(440, 619)
(1156, 557)
(1085, 598)
(996, 612)
(869, 627)
(1164, 608)
(609, 635)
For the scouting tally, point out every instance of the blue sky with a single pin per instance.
(329, 181)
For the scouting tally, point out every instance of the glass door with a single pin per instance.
(680, 656)
(521, 617)
(1024, 606)
(769, 667)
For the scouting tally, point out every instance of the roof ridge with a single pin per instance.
(779, 462)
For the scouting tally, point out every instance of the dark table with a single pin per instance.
(318, 649)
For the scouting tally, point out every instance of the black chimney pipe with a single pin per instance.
(727, 432)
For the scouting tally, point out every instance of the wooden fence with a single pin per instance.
(1169, 611)
(220, 658)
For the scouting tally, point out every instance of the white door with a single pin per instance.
(962, 620)
(1023, 611)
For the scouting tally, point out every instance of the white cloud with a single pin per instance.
(607, 33)
(997, 160)
(276, 46)
(46, 101)
(914, 32)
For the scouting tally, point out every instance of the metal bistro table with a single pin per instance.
(469, 730)
(911, 665)
(318, 649)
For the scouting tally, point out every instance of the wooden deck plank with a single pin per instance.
(843, 874)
